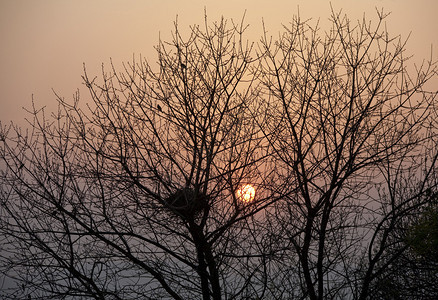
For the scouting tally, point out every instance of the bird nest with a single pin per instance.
(187, 203)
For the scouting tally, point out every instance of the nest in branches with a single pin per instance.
(187, 203)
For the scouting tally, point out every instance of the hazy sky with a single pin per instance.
(44, 43)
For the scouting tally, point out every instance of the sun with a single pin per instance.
(246, 193)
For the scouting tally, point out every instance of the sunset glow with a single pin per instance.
(246, 193)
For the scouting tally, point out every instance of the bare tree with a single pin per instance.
(136, 196)
(353, 132)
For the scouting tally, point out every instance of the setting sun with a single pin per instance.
(246, 193)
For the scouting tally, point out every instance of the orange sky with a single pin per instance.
(44, 43)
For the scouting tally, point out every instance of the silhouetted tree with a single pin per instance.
(134, 198)
(353, 133)
(414, 273)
